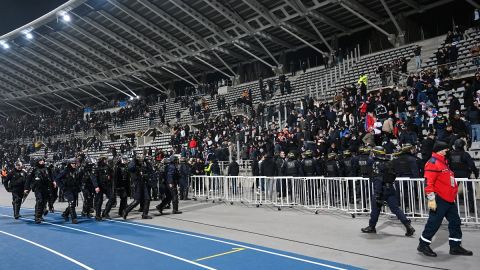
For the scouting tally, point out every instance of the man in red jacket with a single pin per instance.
(441, 189)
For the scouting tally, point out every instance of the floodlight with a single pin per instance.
(29, 35)
(66, 17)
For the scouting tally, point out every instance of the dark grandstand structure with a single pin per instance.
(216, 98)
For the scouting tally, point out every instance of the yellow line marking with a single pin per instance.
(221, 254)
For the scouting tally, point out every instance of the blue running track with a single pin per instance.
(119, 244)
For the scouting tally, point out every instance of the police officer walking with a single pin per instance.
(15, 183)
(462, 165)
(39, 181)
(441, 189)
(103, 185)
(140, 175)
(383, 178)
(69, 181)
(88, 191)
(122, 183)
(171, 182)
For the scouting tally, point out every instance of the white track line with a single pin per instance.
(226, 242)
(124, 242)
(230, 243)
(50, 250)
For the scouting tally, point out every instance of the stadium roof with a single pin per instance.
(95, 48)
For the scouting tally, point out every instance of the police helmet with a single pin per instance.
(332, 156)
(347, 153)
(406, 148)
(364, 150)
(19, 164)
(291, 155)
(308, 153)
(459, 144)
(378, 152)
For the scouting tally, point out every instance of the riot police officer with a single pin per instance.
(171, 183)
(185, 172)
(383, 178)
(15, 183)
(53, 190)
(332, 166)
(122, 183)
(87, 189)
(103, 184)
(405, 165)
(69, 180)
(310, 166)
(39, 181)
(140, 176)
(462, 165)
(292, 167)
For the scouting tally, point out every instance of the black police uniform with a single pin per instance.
(462, 165)
(383, 178)
(39, 181)
(103, 180)
(310, 169)
(69, 180)
(405, 165)
(122, 185)
(15, 183)
(140, 176)
(87, 189)
(171, 182)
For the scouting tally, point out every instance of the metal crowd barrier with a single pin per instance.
(349, 195)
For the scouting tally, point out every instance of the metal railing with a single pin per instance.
(349, 195)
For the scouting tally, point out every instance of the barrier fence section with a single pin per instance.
(351, 195)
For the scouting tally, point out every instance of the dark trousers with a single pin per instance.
(41, 197)
(71, 197)
(171, 196)
(17, 195)
(52, 197)
(444, 210)
(88, 195)
(391, 199)
(122, 193)
(141, 196)
(99, 201)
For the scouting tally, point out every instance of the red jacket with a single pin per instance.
(440, 178)
(192, 144)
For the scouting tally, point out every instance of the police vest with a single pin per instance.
(18, 179)
(348, 166)
(123, 174)
(103, 174)
(457, 163)
(308, 167)
(377, 168)
(402, 166)
(365, 169)
(71, 180)
(332, 168)
(291, 168)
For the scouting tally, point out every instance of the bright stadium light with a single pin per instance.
(5, 45)
(29, 35)
(66, 17)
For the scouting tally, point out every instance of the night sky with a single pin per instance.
(16, 13)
